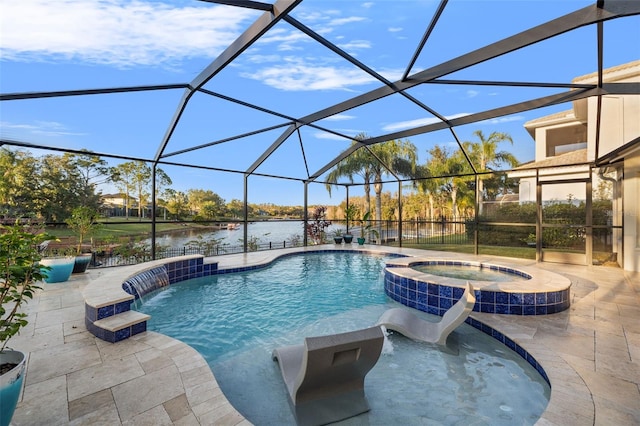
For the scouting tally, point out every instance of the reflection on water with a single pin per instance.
(276, 232)
(272, 231)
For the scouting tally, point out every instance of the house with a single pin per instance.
(115, 204)
(576, 164)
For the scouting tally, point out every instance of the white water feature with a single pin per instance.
(147, 281)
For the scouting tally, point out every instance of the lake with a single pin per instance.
(275, 232)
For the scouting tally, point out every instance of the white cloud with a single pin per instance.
(472, 93)
(331, 136)
(418, 122)
(356, 44)
(501, 120)
(340, 117)
(299, 75)
(394, 29)
(117, 32)
(345, 21)
(261, 59)
(39, 128)
(367, 5)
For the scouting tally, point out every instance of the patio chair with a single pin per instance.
(325, 375)
(408, 324)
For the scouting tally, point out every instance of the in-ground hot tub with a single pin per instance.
(520, 290)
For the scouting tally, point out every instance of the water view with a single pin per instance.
(276, 232)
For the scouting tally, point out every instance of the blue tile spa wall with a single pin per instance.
(437, 298)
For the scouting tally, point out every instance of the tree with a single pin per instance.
(177, 203)
(141, 185)
(437, 165)
(93, 171)
(18, 183)
(133, 177)
(397, 157)
(162, 182)
(60, 188)
(198, 197)
(122, 176)
(485, 154)
(235, 208)
(83, 222)
(372, 163)
(211, 209)
(357, 164)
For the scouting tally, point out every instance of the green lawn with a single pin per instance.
(133, 228)
(519, 252)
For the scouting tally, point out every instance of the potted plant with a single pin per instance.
(58, 264)
(530, 240)
(83, 222)
(20, 270)
(366, 228)
(350, 214)
(337, 236)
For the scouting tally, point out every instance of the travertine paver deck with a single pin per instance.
(591, 352)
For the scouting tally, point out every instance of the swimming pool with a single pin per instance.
(235, 321)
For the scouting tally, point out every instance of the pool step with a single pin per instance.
(122, 326)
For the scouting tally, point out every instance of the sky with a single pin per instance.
(54, 45)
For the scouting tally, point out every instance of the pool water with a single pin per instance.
(469, 272)
(236, 320)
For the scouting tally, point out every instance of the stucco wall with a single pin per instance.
(631, 233)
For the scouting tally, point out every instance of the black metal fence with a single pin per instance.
(514, 239)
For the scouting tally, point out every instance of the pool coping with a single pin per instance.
(566, 383)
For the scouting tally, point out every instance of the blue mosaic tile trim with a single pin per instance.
(508, 342)
(106, 311)
(169, 273)
(437, 298)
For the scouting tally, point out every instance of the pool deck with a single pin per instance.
(591, 353)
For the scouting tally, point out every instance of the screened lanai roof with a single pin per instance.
(281, 90)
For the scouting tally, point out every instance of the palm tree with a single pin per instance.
(435, 166)
(356, 164)
(445, 166)
(485, 154)
(372, 163)
(397, 157)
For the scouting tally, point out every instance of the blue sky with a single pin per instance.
(79, 44)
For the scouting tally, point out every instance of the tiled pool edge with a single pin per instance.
(108, 314)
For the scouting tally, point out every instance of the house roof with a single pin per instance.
(569, 158)
(555, 118)
(611, 74)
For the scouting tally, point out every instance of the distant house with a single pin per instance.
(575, 161)
(115, 204)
